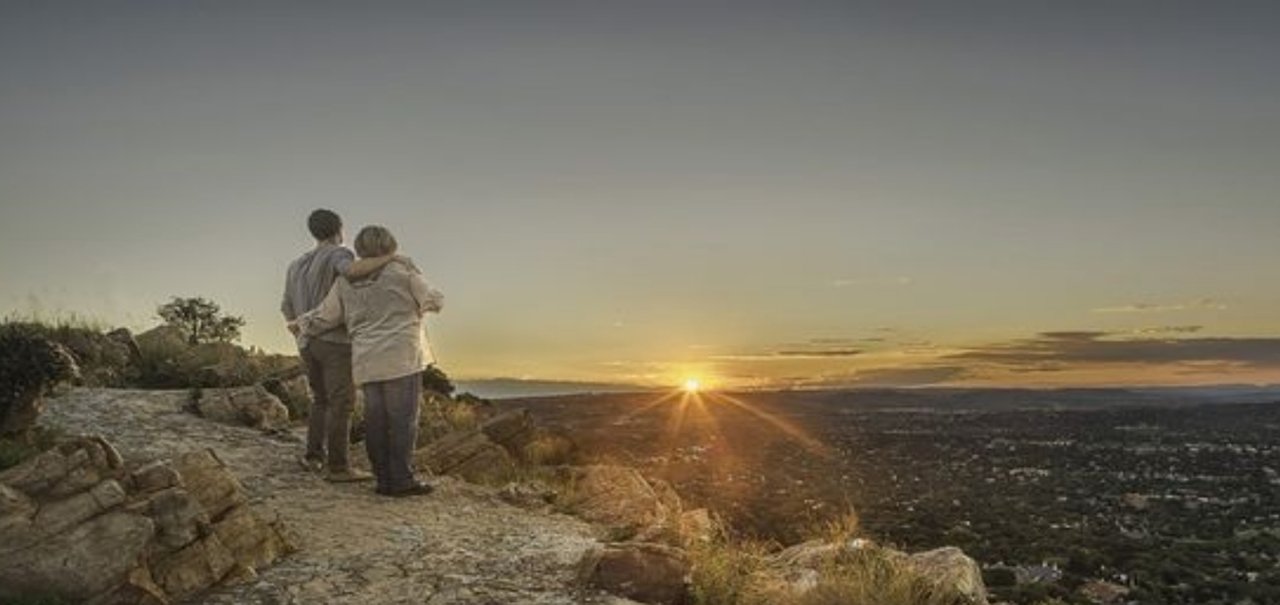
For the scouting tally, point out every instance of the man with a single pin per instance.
(326, 356)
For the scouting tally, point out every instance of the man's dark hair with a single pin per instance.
(324, 224)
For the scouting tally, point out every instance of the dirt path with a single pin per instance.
(459, 545)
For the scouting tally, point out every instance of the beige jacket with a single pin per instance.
(383, 314)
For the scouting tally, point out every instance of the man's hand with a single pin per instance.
(367, 266)
(293, 328)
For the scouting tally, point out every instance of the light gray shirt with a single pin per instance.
(384, 314)
(308, 281)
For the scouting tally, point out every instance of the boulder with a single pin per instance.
(252, 541)
(249, 406)
(648, 573)
(527, 494)
(510, 429)
(179, 518)
(1103, 592)
(619, 499)
(209, 480)
(466, 454)
(155, 476)
(92, 558)
(163, 339)
(37, 473)
(816, 553)
(14, 503)
(75, 525)
(949, 568)
(1137, 502)
(196, 567)
(72, 466)
(800, 568)
(125, 339)
(293, 391)
(138, 589)
(57, 517)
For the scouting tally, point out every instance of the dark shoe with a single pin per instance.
(417, 489)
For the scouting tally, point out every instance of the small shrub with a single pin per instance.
(169, 361)
(434, 379)
(548, 448)
(14, 451)
(843, 527)
(104, 361)
(725, 573)
(460, 416)
(30, 365)
(472, 399)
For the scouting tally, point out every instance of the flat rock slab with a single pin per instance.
(461, 544)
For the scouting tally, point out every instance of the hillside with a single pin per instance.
(459, 545)
(293, 538)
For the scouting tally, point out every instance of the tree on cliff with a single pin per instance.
(201, 320)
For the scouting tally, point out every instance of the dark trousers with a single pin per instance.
(391, 414)
(333, 394)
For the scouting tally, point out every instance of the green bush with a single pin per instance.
(104, 359)
(434, 379)
(30, 365)
(169, 361)
(14, 451)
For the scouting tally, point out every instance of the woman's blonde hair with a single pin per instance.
(375, 240)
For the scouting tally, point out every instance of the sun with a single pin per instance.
(691, 385)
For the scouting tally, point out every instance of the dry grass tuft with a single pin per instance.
(548, 449)
(874, 576)
(728, 571)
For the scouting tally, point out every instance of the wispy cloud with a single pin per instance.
(887, 377)
(1167, 330)
(1203, 304)
(848, 282)
(843, 340)
(820, 353)
(790, 354)
(1049, 349)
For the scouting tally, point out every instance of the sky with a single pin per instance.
(759, 194)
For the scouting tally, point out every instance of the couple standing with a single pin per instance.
(360, 322)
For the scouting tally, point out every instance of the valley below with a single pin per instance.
(1158, 497)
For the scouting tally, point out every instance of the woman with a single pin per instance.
(383, 312)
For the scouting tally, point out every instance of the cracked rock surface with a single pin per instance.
(462, 544)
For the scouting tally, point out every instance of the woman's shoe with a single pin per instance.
(417, 489)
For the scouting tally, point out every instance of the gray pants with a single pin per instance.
(333, 394)
(391, 414)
